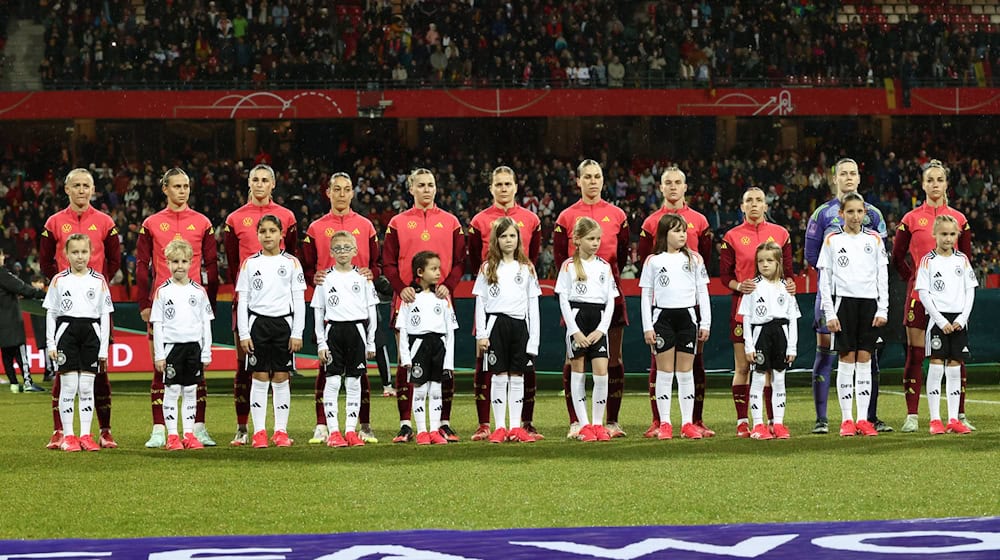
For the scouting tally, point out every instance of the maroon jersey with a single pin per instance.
(482, 223)
(915, 238)
(614, 227)
(699, 235)
(316, 243)
(418, 230)
(105, 247)
(241, 233)
(156, 233)
(738, 254)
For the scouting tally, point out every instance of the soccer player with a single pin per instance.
(614, 250)
(673, 186)
(317, 259)
(240, 242)
(737, 270)
(270, 316)
(181, 317)
(345, 318)
(79, 308)
(12, 347)
(425, 227)
(503, 187)
(914, 239)
(105, 259)
(175, 222)
(824, 221)
(854, 268)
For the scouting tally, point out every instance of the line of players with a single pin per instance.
(426, 227)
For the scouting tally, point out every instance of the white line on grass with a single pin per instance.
(977, 401)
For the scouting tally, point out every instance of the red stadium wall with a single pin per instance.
(470, 103)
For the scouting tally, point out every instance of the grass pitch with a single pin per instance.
(134, 491)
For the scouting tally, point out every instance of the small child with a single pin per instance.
(427, 345)
(507, 329)
(674, 283)
(270, 316)
(181, 316)
(855, 291)
(946, 284)
(770, 336)
(12, 336)
(78, 319)
(345, 320)
(587, 295)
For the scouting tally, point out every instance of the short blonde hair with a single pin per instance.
(178, 248)
(343, 234)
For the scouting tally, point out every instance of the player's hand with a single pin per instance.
(294, 344)
(947, 329)
(580, 340)
(319, 277)
(593, 337)
(370, 355)
(750, 357)
(246, 346)
(649, 337)
(160, 365)
(790, 359)
(408, 295)
(878, 322)
(407, 366)
(956, 327)
(144, 313)
(324, 356)
(367, 273)
(482, 345)
(746, 286)
(833, 325)
(790, 286)
(53, 355)
(702, 335)
(442, 292)
(102, 365)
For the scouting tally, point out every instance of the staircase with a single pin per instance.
(22, 56)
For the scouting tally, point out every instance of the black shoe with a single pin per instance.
(881, 426)
(30, 387)
(294, 373)
(49, 376)
(405, 435)
(448, 433)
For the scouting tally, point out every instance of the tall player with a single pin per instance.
(504, 190)
(176, 221)
(316, 260)
(105, 257)
(424, 227)
(914, 239)
(673, 186)
(614, 249)
(240, 242)
(737, 270)
(824, 221)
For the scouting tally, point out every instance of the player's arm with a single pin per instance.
(231, 244)
(292, 237)
(645, 247)
(457, 259)
(144, 268)
(901, 252)
(727, 266)
(814, 238)
(965, 240)
(622, 246)
(210, 260)
(374, 256)
(390, 260)
(112, 254)
(307, 255)
(534, 247)
(705, 246)
(786, 259)
(560, 244)
(475, 243)
(47, 254)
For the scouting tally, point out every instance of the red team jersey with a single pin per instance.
(105, 246)
(418, 230)
(614, 228)
(738, 253)
(316, 243)
(699, 237)
(915, 238)
(482, 223)
(241, 233)
(156, 233)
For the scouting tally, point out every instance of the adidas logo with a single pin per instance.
(256, 273)
(663, 269)
(330, 414)
(283, 407)
(530, 363)
(754, 407)
(842, 250)
(418, 410)
(603, 349)
(169, 417)
(602, 401)
(66, 293)
(415, 310)
(352, 415)
(362, 365)
(864, 393)
(689, 345)
(333, 290)
(965, 349)
(497, 401)
(937, 392)
(663, 398)
(255, 405)
(937, 275)
(87, 409)
(760, 299)
(689, 398)
(170, 302)
(67, 411)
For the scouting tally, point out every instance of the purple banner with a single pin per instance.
(965, 539)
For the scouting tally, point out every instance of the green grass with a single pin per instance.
(133, 491)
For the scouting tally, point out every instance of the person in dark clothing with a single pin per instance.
(12, 327)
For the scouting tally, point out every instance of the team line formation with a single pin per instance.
(423, 256)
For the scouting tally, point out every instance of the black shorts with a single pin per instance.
(770, 342)
(346, 341)
(951, 347)
(184, 365)
(508, 344)
(78, 341)
(270, 337)
(676, 328)
(587, 318)
(427, 352)
(856, 330)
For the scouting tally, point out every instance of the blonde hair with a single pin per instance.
(178, 248)
(584, 227)
(775, 250)
(78, 237)
(342, 234)
(78, 171)
(934, 164)
(945, 219)
(173, 172)
(501, 170)
(413, 175)
(494, 255)
(586, 163)
(673, 169)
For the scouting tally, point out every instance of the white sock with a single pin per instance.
(757, 397)
(863, 387)
(282, 395)
(418, 409)
(190, 408)
(778, 395)
(353, 403)
(953, 384)
(845, 390)
(516, 400)
(664, 386)
(258, 403)
(599, 399)
(498, 399)
(578, 391)
(330, 405)
(86, 402)
(685, 393)
(170, 395)
(933, 385)
(69, 383)
(435, 405)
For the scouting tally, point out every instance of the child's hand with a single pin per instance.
(324, 356)
(482, 345)
(948, 329)
(833, 325)
(750, 357)
(790, 359)
(38, 285)
(649, 337)
(878, 322)
(53, 355)
(956, 327)
(593, 337)
(370, 355)
(294, 344)
(160, 365)
(580, 340)
(702, 335)
(246, 346)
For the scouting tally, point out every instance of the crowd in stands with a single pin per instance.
(31, 188)
(515, 43)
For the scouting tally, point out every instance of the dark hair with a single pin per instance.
(173, 172)
(269, 218)
(419, 262)
(849, 197)
(668, 223)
